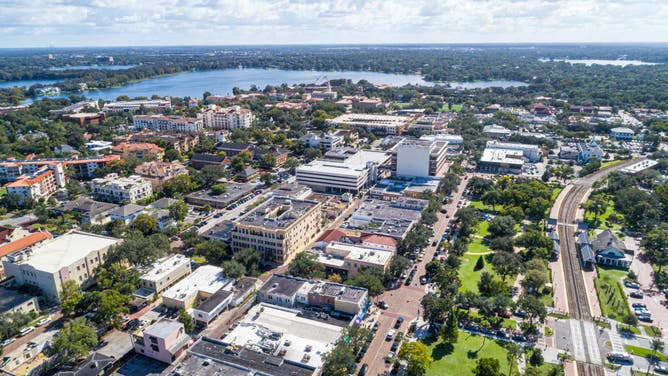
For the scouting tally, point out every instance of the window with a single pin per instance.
(155, 348)
(153, 339)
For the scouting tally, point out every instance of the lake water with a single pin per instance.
(26, 83)
(590, 62)
(84, 67)
(221, 82)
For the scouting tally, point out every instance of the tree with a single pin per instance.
(418, 357)
(432, 268)
(511, 356)
(655, 243)
(506, 264)
(371, 279)
(479, 264)
(335, 277)
(534, 308)
(597, 205)
(110, 304)
(178, 210)
(146, 224)
(357, 337)
(398, 265)
(186, 320)
(138, 249)
(266, 178)
(268, 161)
(250, 259)
(487, 367)
(492, 197)
(536, 358)
(74, 340)
(450, 331)
(306, 265)
(502, 225)
(234, 269)
(489, 286)
(533, 281)
(70, 296)
(118, 277)
(656, 346)
(218, 189)
(339, 361)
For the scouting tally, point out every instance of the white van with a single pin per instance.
(25, 331)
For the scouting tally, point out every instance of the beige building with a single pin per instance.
(72, 256)
(216, 117)
(350, 259)
(279, 228)
(113, 188)
(198, 286)
(165, 273)
(378, 124)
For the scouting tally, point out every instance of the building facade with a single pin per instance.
(134, 106)
(113, 188)
(41, 184)
(216, 117)
(139, 150)
(164, 341)
(168, 123)
(165, 273)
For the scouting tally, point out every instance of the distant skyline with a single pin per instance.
(70, 23)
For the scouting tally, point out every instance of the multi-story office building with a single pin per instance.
(168, 123)
(420, 158)
(165, 273)
(344, 170)
(113, 188)
(70, 257)
(378, 124)
(216, 117)
(41, 184)
(134, 106)
(139, 150)
(279, 228)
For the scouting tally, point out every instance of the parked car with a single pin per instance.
(363, 369)
(376, 326)
(389, 357)
(31, 345)
(395, 345)
(423, 280)
(390, 335)
(8, 341)
(25, 331)
(397, 324)
(382, 304)
(639, 305)
(43, 321)
(519, 338)
(631, 285)
(520, 313)
(661, 369)
(637, 294)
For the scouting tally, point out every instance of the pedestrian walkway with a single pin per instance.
(578, 349)
(592, 297)
(590, 333)
(615, 339)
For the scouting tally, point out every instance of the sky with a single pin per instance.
(68, 23)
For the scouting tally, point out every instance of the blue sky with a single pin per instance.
(44, 23)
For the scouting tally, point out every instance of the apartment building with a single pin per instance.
(139, 150)
(384, 125)
(11, 169)
(165, 273)
(420, 158)
(40, 184)
(134, 106)
(113, 188)
(164, 341)
(168, 123)
(182, 142)
(73, 256)
(216, 117)
(325, 141)
(279, 228)
(160, 172)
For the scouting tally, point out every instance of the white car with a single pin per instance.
(25, 331)
(43, 321)
(390, 334)
(7, 341)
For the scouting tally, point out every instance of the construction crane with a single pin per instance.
(324, 77)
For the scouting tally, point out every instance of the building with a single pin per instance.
(432, 123)
(86, 118)
(344, 170)
(199, 160)
(126, 213)
(30, 240)
(420, 158)
(12, 301)
(234, 192)
(393, 219)
(40, 184)
(182, 142)
(611, 251)
(98, 146)
(12, 169)
(279, 228)
(73, 108)
(202, 283)
(540, 109)
(233, 149)
(587, 255)
(349, 259)
(588, 150)
(496, 131)
(92, 211)
(161, 123)
(501, 161)
(95, 364)
(73, 256)
(294, 292)
(636, 168)
(377, 124)
(530, 152)
(139, 150)
(113, 188)
(216, 117)
(451, 139)
(293, 190)
(280, 155)
(160, 172)
(325, 141)
(134, 106)
(622, 133)
(165, 273)
(166, 340)
(65, 149)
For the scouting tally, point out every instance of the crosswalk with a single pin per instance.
(616, 341)
(590, 334)
(577, 341)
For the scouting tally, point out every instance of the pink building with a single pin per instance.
(165, 341)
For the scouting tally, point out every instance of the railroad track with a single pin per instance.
(590, 369)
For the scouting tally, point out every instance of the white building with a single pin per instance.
(40, 184)
(325, 141)
(350, 259)
(622, 133)
(72, 256)
(420, 158)
(216, 117)
(134, 106)
(99, 146)
(502, 161)
(496, 131)
(353, 172)
(451, 139)
(113, 188)
(199, 285)
(168, 123)
(531, 152)
(378, 124)
(639, 167)
(164, 273)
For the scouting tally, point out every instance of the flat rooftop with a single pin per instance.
(361, 253)
(197, 366)
(372, 120)
(640, 166)
(163, 267)
(384, 218)
(353, 165)
(277, 213)
(11, 298)
(163, 328)
(234, 192)
(206, 278)
(503, 156)
(282, 285)
(283, 331)
(62, 251)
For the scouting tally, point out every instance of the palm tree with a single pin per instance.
(656, 345)
(511, 356)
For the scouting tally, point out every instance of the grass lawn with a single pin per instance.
(199, 259)
(610, 163)
(468, 276)
(643, 352)
(629, 328)
(496, 321)
(610, 294)
(463, 355)
(555, 192)
(452, 107)
(476, 245)
(547, 299)
(477, 204)
(651, 330)
(603, 220)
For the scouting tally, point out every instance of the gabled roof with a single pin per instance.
(208, 158)
(24, 242)
(606, 240)
(379, 239)
(94, 365)
(127, 210)
(587, 253)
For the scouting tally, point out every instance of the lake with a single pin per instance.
(221, 82)
(590, 62)
(84, 67)
(487, 84)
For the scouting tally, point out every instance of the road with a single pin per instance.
(584, 342)
(405, 301)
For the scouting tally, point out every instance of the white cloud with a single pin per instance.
(80, 22)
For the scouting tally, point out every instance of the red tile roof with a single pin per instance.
(331, 236)
(379, 239)
(27, 241)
